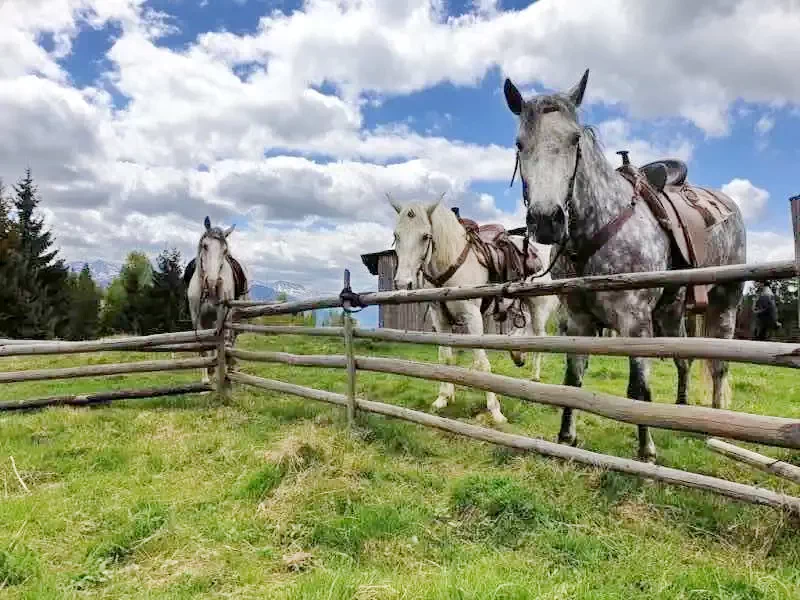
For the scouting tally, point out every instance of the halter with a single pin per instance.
(205, 289)
(579, 258)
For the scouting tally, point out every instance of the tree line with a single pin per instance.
(40, 298)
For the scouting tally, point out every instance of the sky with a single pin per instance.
(292, 120)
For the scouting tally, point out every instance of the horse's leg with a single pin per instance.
(720, 322)
(576, 325)
(540, 311)
(474, 323)
(447, 390)
(668, 321)
(638, 387)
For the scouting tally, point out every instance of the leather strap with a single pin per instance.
(602, 237)
(451, 270)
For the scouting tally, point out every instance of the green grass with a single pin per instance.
(188, 497)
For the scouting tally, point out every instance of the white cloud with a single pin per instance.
(615, 134)
(767, 246)
(751, 199)
(765, 124)
(191, 137)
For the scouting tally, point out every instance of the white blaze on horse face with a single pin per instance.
(212, 259)
(412, 241)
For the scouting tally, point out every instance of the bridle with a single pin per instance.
(205, 289)
(578, 257)
(569, 206)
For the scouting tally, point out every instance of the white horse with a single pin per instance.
(538, 310)
(218, 279)
(430, 241)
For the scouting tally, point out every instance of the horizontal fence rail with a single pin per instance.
(97, 398)
(624, 281)
(769, 430)
(148, 366)
(730, 489)
(762, 353)
(754, 459)
(31, 348)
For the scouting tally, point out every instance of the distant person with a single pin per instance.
(766, 314)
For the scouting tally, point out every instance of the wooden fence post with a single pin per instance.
(794, 202)
(223, 383)
(350, 354)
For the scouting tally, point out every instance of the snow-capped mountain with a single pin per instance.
(104, 272)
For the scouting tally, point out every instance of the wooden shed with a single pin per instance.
(411, 317)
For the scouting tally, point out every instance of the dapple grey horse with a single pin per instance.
(572, 193)
(213, 277)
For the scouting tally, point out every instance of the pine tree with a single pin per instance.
(167, 296)
(42, 290)
(84, 314)
(10, 271)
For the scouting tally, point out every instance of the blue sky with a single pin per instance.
(291, 119)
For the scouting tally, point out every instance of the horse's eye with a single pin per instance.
(205, 246)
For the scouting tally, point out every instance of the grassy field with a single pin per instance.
(268, 496)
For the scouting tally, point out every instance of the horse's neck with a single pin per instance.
(600, 195)
(449, 238)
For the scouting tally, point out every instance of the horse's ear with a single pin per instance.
(576, 93)
(513, 97)
(394, 204)
(229, 230)
(432, 207)
(207, 223)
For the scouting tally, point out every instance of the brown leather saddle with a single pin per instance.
(504, 260)
(686, 212)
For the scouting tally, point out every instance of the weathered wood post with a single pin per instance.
(349, 353)
(223, 383)
(794, 202)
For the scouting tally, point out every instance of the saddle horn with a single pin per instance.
(207, 223)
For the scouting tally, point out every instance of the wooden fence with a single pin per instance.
(184, 341)
(769, 430)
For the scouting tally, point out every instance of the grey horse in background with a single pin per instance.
(212, 277)
(572, 194)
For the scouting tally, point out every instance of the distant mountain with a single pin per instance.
(104, 272)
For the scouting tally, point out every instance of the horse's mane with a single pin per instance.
(448, 233)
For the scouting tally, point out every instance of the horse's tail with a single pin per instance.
(698, 329)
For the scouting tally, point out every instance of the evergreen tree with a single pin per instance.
(42, 288)
(167, 296)
(84, 314)
(9, 270)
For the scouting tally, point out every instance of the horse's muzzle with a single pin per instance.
(547, 229)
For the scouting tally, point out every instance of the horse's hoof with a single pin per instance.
(568, 440)
(440, 403)
(647, 455)
(499, 418)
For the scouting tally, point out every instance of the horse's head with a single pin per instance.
(212, 254)
(548, 145)
(413, 241)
